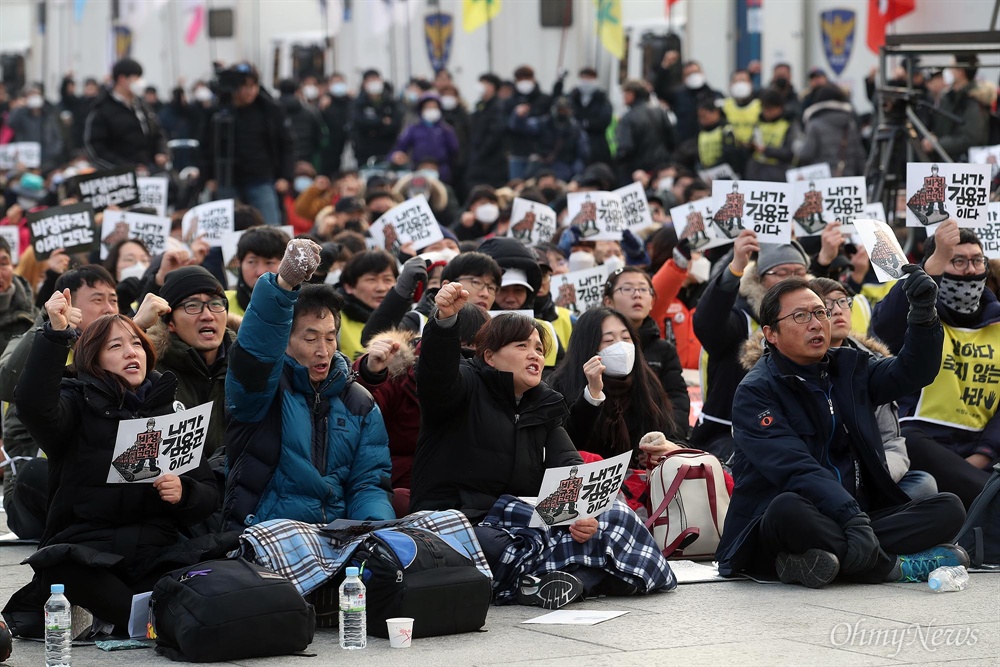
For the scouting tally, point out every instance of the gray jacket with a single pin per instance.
(832, 136)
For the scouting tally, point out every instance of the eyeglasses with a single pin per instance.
(844, 302)
(195, 307)
(961, 263)
(477, 284)
(804, 316)
(632, 291)
(801, 273)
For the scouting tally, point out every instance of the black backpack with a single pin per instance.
(413, 573)
(225, 609)
(980, 534)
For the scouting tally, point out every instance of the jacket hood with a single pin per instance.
(984, 92)
(438, 198)
(538, 405)
(838, 113)
(753, 348)
(751, 289)
(406, 358)
(164, 342)
(510, 253)
(333, 385)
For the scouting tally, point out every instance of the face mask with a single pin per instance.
(550, 193)
(587, 86)
(411, 96)
(741, 90)
(138, 87)
(26, 204)
(333, 277)
(525, 86)
(135, 271)
(487, 213)
(431, 115)
(374, 87)
(581, 259)
(695, 80)
(310, 92)
(618, 359)
(34, 102)
(338, 89)
(430, 173)
(949, 77)
(202, 94)
(613, 263)
(699, 269)
(302, 183)
(449, 102)
(780, 82)
(665, 183)
(480, 91)
(962, 293)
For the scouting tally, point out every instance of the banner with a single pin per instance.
(609, 27)
(13, 235)
(108, 188)
(883, 247)
(837, 28)
(153, 193)
(579, 291)
(412, 221)
(579, 492)
(989, 234)
(758, 205)
(72, 228)
(149, 448)
(820, 202)
(152, 230)
(936, 192)
(26, 153)
(531, 223)
(439, 29)
(211, 221)
(693, 221)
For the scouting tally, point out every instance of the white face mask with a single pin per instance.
(487, 213)
(525, 86)
(202, 94)
(135, 271)
(138, 87)
(449, 102)
(587, 86)
(699, 269)
(581, 259)
(374, 87)
(665, 183)
(618, 359)
(431, 115)
(338, 89)
(411, 96)
(34, 102)
(310, 92)
(333, 277)
(695, 80)
(480, 90)
(741, 90)
(613, 263)
(949, 77)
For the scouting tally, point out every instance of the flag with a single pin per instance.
(78, 7)
(196, 22)
(669, 3)
(476, 13)
(880, 14)
(609, 27)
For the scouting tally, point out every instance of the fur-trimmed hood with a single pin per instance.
(162, 341)
(984, 92)
(829, 105)
(751, 289)
(437, 197)
(753, 348)
(406, 358)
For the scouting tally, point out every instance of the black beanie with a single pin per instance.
(185, 281)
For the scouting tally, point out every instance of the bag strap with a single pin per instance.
(682, 472)
(979, 557)
(710, 489)
(682, 540)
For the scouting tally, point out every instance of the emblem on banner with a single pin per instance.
(837, 29)
(438, 32)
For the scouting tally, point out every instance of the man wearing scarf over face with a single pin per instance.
(952, 426)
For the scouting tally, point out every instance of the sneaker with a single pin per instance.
(917, 567)
(550, 591)
(813, 569)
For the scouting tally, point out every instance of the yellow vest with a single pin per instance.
(875, 292)
(553, 348)
(563, 325)
(861, 315)
(349, 340)
(234, 304)
(710, 147)
(743, 119)
(752, 326)
(966, 392)
(773, 136)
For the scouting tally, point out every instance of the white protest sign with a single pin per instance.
(71, 228)
(579, 492)
(875, 211)
(986, 155)
(812, 171)
(989, 234)
(13, 235)
(150, 447)
(211, 221)
(152, 230)
(720, 172)
(153, 193)
(102, 189)
(693, 221)
(635, 207)
(818, 202)
(412, 221)
(598, 215)
(758, 205)
(579, 291)
(531, 223)
(230, 261)
(883, 247)
(25, 153)
(938, 191)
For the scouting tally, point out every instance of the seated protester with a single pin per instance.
(545, 309)
(502, 387)
(127, 262)
(679, 284)
(813, 498)
(367, 279)
(17, 311)
(258, 251)
(440, 196)
(832, 262)
(773, 142)
(482, 210)
(630, 292)
(727, 316)
(395, 392)
(105, 542)
(304, 441)
(952, 425)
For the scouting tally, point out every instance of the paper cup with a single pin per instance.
(400, 632)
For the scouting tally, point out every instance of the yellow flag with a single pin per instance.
(609, 27)
(476, 13)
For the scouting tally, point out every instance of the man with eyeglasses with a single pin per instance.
(813, 499)
(952, 426)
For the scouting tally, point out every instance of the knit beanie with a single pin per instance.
(185, 281)
(776, 254)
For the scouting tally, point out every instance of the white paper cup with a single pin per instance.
(400, 632)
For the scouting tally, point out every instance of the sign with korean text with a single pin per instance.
(884, 251)
(819, 202)
(211, 221)
(579, 291)
(758, 205)
(532, 223)
(153, 193)
(28, 154)
(936, 192)
(411, 222)
(989, 234)
(71, 228)
(598, 215)
(150, 447)
(579, 492)
(693, 221)
(152, 230)
(109, 188)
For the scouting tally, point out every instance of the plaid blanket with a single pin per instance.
(309, 557)
(622, 547)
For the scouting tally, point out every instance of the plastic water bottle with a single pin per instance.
(353, 634)
(948, 579)
(58, 641)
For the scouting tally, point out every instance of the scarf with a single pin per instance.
(611, 434)
(962, 293)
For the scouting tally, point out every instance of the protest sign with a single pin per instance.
(598, 215)
(28, 154)
(758, 205)
(148, 448)
(579, 492)
(13, 235)
(874, 211)
(883, 247)
(720, 172)
(986, 155)
(153, 192)
(821, 201)
(989, 234)
(211, 221)
(71, 228)
(412, 221)
(152, 230)
(230, 262)
(531, 223)
(635, 207)
(693, 221)
(809, 172)
(108, 188)
(936, 192)
(579, 291)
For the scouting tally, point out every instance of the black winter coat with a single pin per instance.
(521, 143)
(487, 158)
(476, 443)
(278, 139)
(119, 136)
(645, 138)
(594, 118)
(337, 118)
(372, 135)
(661, 355)
(306, 126)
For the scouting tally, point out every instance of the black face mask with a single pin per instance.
(781, 82)
(962, 293)
(354, 226)
(550, 193)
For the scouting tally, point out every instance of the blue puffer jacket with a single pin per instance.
(295, 452)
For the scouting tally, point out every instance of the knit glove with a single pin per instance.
(862, 545)
(921, 291)
(635, 252)
(682, 254)
(414, 272)
(302, 256)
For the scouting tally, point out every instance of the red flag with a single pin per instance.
(670, 2)
(880, 14)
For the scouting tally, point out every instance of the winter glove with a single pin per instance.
(414, 272)
(301, 258)
(634, 251)
(862, 545)
(682, 254)
(569, 238)
(921, 291)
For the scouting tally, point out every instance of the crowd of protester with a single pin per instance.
(350, 382)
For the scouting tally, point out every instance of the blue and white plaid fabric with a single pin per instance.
(622, 547)
(308, 557)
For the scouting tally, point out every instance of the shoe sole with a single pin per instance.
(555, 590)
(813, 569)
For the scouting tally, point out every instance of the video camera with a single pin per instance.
(228, 79)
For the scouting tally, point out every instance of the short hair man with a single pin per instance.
(258, 251)
(813, 498)
(304, 441)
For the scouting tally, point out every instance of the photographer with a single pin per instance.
(248, 151)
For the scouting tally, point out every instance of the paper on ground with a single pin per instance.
(690, 572)
(574, 617)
